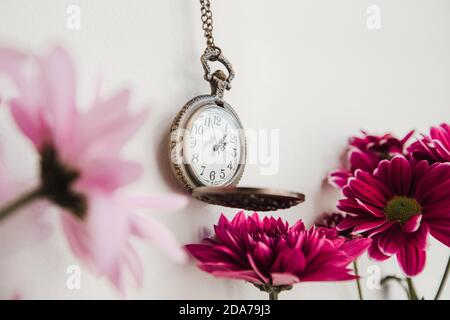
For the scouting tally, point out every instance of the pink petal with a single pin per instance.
(355, 248)
(339, 178)
(60, 82)
(361, 160)
(132, 262)
(279, 279)
(290, 260)
(411, 260)
(107, 229)
(351, 222)
(350, 206)
(406, 138)
(150, 229)
(412, 224)
(377, 212)
(374, 251)
(367, 193)
(108, 176)
(78, 238)
(11, 62)
(438, 175)
(111, 139)
(27, 123)
(263, 255)
(328, 274)
(443, 152)
(380, 229)
(419, 238)
(246, 275)
(256, 269)
(227, 252)
(207, 254)
(400, 175)
(391, 241)
(363, 227)
(441, 232)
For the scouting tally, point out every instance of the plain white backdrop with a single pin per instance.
(312, 69)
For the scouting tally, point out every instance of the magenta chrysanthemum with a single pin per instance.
(435, 147)
(365, 153)
(270, 254)
(397, 206)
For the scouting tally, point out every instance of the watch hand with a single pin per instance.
(214, 134)
(221, 143)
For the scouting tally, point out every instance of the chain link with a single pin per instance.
(207, 21)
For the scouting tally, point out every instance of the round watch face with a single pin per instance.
(213, 147)
(210, 144)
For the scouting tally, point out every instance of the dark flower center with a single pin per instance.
(401, 209)
(57, 180)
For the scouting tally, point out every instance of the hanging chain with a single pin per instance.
(218, 80)
(207, 21)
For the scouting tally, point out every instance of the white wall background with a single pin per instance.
(310, 68)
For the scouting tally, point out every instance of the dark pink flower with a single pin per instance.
(331, 221)
(270, 254)
(397, 206)
(435, 147)
(365, 153)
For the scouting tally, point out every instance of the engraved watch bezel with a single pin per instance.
(183, 171)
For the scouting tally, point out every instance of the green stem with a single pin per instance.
(443, 280)
(273, 295)
(411, 289)
(358, 282)
(400, 281)
(19, 202)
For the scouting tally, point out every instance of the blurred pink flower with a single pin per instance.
(435, 147)
(397, 206)
(274, 256)
(365, 153)
(81, 167)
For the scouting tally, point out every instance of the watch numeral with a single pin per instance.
(195, 158)
(203, 170)
(230, 166)
(217, 120)
(212, 175)
(198, 129)
(222, 174)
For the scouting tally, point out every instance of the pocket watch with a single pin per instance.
(207, 146)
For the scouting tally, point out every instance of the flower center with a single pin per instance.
(57, 180)
(401, 209)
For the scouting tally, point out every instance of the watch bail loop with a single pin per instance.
(218, 80)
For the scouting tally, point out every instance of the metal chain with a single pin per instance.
(207, 21)
(218, 80)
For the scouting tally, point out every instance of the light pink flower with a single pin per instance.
(81, 166)
(274, 256)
